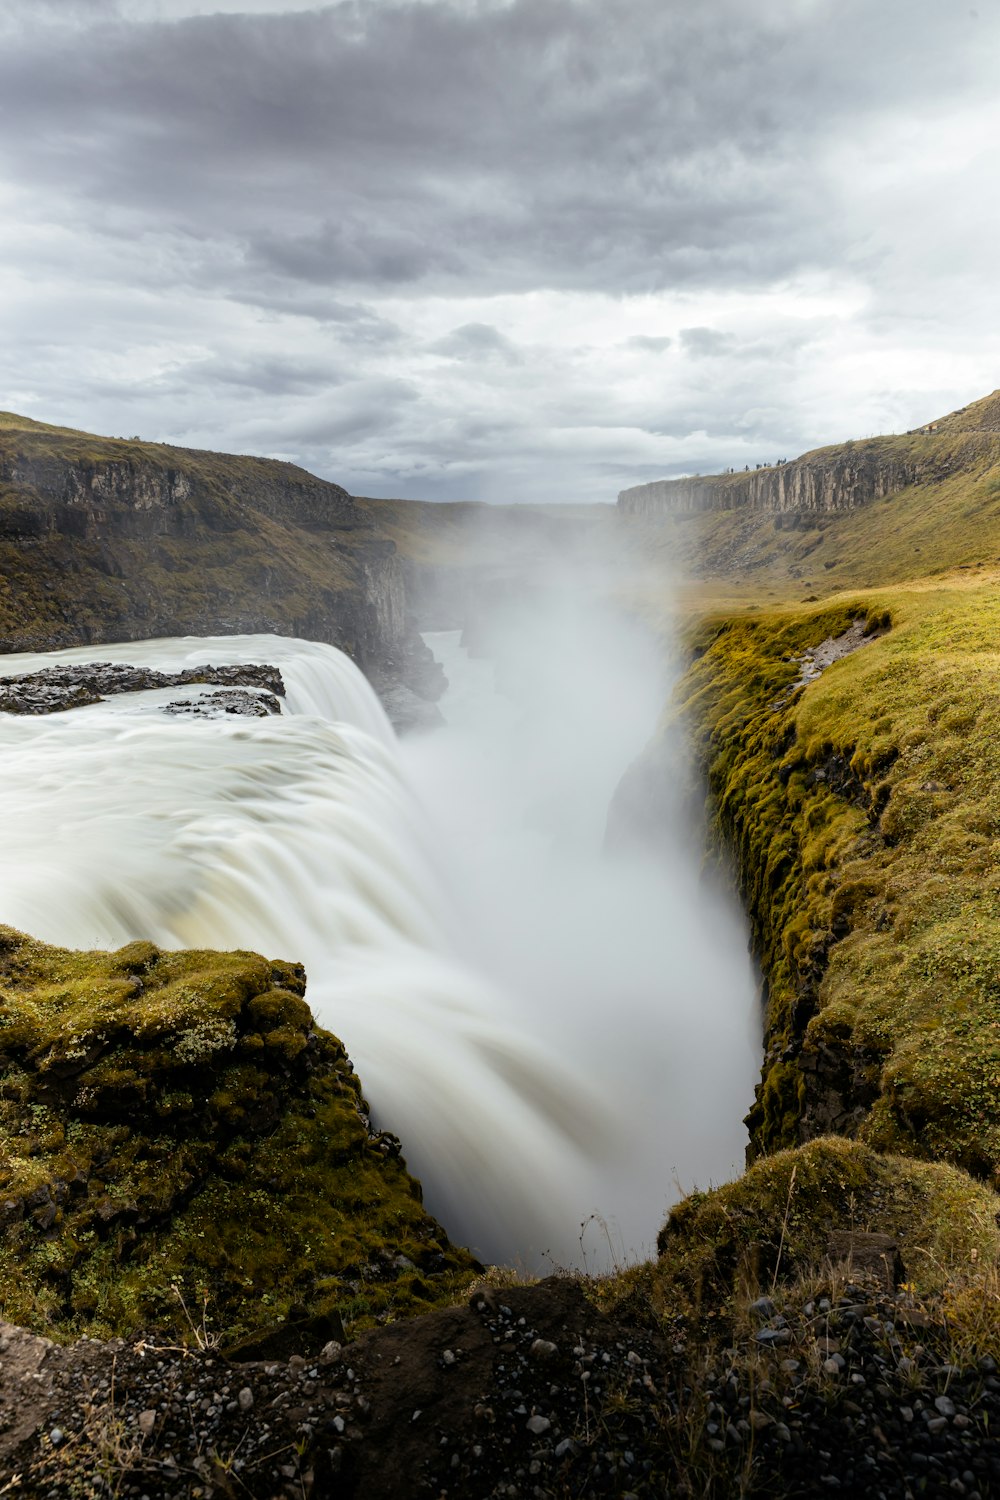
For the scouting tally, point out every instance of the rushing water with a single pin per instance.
(527, 1015)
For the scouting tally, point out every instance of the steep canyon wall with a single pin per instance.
(105, 539)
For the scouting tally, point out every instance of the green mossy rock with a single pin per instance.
(780, 1215)
(862, 810)
(174, 1126)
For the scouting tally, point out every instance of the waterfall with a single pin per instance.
(529, 1076)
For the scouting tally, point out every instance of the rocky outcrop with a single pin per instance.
(55, 689)
(821, 483)
(835, 479)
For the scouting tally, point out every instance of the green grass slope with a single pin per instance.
(949, 517)
(863, 810)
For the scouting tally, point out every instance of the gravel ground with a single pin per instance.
(526, 1392)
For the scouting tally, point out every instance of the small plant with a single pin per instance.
(204, 1339)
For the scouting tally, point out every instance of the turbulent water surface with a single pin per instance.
(555, 1035)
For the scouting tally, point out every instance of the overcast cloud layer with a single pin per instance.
(504, 251)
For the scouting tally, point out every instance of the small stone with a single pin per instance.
(763, 1308)
(245, 1398)
(448, 1357)
(567, 1446)
(790, 1366)
(772, 1337)
(759, 1419)
(937, 1424)
(147, 1421)
(56, 1436)
(831, 1367)
(538, 1425)
(906, 1412)
(543, 1349)
(945, 1405)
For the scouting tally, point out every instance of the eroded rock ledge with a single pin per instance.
(54, 689)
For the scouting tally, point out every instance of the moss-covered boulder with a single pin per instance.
(777, 1220)
(178, 1141)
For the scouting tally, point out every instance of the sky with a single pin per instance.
(500, 250)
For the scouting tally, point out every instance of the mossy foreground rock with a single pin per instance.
(779, 1218)
(173, 1125)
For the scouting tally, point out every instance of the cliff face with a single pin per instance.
(102, 539)
(840, 481)
(829, 480)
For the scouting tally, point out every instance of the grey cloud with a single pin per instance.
(705, 343)
(478, 342)
(548, 142)
(266, 376)
(361, 323)
(225, 223)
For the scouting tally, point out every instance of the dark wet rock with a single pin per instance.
(408, 712)
(54, 689)
(242, 702)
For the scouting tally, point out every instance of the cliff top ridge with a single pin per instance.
(977, 416)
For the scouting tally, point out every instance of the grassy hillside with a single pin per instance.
(864, 810)
(950, 518)
(116, 539)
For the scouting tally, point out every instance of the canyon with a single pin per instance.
(852, 799)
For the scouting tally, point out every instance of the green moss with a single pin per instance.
(777, 1219)
(176, 1120)
(863, 812)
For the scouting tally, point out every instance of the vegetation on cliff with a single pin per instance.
(108, 539)
(943, 514)
(176, 1133)
(863, 811)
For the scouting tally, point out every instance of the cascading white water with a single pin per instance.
(528, 1074)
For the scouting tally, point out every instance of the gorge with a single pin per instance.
(513, 1000)
(510, 922)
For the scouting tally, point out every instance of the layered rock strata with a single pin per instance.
(103, 539)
